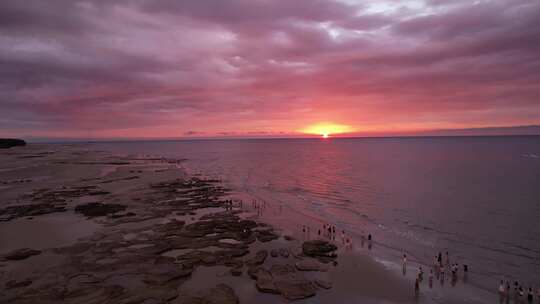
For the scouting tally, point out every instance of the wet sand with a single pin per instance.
(137, 229)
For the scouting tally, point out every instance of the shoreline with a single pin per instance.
(123, 179)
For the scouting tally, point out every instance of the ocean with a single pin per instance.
(476, 197)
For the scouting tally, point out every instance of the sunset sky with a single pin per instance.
(197, 68)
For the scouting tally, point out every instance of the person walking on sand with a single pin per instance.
(441, 270)
(404, 260)
(420, 274)
(501, 292)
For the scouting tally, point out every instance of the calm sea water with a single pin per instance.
(477, 197)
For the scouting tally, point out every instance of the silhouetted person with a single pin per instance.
(404, 264)
(501, 292)
(507, 292)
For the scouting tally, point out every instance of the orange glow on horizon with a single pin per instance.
(327, 129)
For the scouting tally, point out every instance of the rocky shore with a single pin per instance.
(153, 229)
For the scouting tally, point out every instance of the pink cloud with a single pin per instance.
(265, 67)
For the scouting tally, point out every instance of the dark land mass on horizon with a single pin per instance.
(6, 143)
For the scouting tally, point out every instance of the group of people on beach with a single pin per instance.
(228, 204)
(519, 293)
(330, 232)
(438, 271)
(259, 206)
(441, 266)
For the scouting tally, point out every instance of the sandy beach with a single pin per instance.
(84, 226)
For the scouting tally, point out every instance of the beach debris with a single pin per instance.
(21, 254)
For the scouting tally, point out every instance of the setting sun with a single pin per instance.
(327, 129)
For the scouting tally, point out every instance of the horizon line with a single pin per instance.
(172, 139)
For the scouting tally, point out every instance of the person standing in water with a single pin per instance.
(530, 295)
(501, 292)
(507, 292)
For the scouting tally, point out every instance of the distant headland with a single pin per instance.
(6, 143)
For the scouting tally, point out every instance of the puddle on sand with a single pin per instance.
(46, 231)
